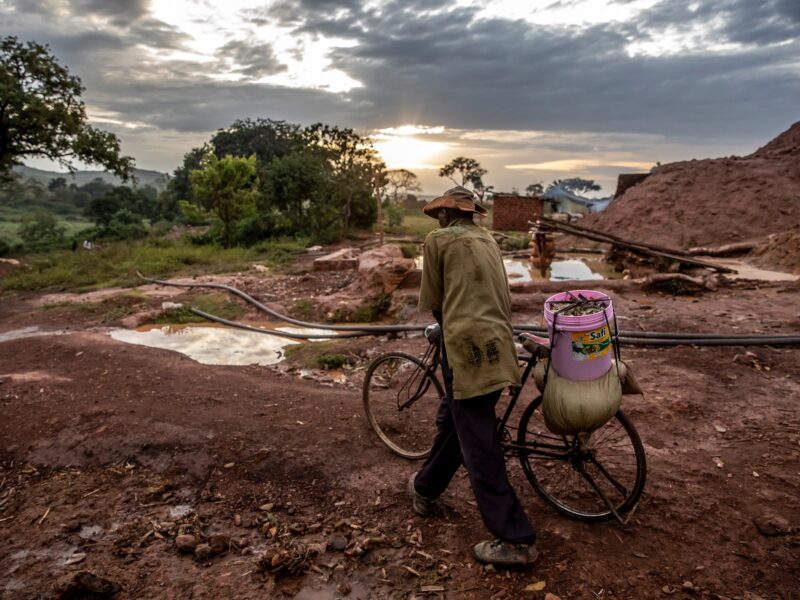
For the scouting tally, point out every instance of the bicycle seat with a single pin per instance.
(538, 346)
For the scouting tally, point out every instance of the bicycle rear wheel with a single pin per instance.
(571, 476)
(401, 400)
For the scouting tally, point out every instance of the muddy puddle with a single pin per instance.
(214, 345)
(567, 267)
(29, 332)
(751, 272)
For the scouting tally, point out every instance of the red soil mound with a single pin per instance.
(780, 252)
(712, 201)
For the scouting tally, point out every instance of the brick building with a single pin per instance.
(512, 212)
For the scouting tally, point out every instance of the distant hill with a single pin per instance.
(143, 177)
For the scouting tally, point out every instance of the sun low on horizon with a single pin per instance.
(406, 147)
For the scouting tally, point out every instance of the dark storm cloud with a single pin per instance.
(130, 22)
(196, 106)
(252, 59)
(119, 11)
(760, 22)
(451, 67)
(433, 63)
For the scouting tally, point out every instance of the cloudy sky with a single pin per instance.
(534, 90)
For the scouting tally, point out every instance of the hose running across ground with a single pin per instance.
(631, 338)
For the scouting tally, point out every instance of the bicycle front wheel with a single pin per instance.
(401, 399)
(580, 478)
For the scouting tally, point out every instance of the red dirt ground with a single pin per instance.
(712, 201)
(109, 451)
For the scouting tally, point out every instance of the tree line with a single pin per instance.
(257, 179)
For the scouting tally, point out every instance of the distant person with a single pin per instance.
(464, 283)
(74, 245)
(87, 245)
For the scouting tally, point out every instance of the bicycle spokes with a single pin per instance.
(590, 476)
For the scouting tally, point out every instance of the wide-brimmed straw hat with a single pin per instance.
(458, 198)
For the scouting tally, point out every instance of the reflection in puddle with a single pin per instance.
(211, 345)
(28, 332)
(571, 269)
(751, 272)
(357, 591)
(576, 268)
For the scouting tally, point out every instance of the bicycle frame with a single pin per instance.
(430, 370)
(571, 449)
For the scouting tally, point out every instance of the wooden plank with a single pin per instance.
(599, 236)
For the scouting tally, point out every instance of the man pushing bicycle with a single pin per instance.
(464, 284)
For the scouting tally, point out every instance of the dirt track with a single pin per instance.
(110, 450)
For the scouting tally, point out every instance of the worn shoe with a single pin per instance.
(421, 505)
(505, 554)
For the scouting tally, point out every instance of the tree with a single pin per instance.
(295, 199)
(226, 186)
(101, 210)
(399, 182)
(470, 171)
(57, 184)
(576, 185)
(354, 169)
(41, 113)
(534, 189)
(264, 138)
(41, 231)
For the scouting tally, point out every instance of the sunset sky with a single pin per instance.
(533, 90)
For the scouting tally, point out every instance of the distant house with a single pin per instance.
(558, 199)
(512, 212)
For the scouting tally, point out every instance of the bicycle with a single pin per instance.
(591, 477)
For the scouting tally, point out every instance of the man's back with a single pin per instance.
(464, 278)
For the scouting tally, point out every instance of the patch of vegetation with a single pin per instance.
(410, 250)
(516, 241)
(71, 305)
(418, 224)
(215, 303)
(109, 309)
(306, 355)
(281, 252)
(332, 361)
(303, 308)
(369, 310)
(116, 264)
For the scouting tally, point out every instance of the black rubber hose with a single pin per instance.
(623, 340)
(247, 298)
(752, 341)
(630, 337)
(278, 333)
(676, 335)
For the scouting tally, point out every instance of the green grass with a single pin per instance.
(332, 361)
(418, 224)
(303, 308)
(215, 303)
(11, 217)
(115, 264)
(88, 307)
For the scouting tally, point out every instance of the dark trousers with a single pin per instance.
(467, 434)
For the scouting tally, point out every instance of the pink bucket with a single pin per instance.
(580, 347)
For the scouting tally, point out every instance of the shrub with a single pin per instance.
(410, 250)
(394, 215)
(332, 361)
(41, 231)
